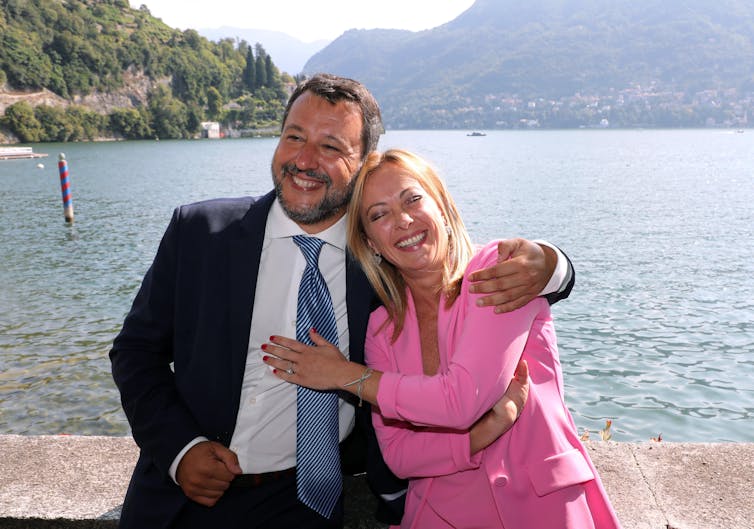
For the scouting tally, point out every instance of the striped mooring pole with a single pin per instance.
(65, 188)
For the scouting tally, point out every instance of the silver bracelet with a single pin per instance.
(360, 381)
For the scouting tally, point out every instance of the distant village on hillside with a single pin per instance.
(634, 107)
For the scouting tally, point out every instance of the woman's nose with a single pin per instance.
(404, 220)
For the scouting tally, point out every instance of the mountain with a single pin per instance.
(480, 69)
(289, 53)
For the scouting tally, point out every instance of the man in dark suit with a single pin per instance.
(216, 429)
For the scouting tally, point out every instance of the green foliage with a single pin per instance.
(250, 71)
(85, 124)
(214, 104)
(20, 119)
(81, 47)
(46, 123)
(130, 123)
(53, 122)
(170, 116)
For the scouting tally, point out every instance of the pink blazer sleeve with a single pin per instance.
(486, 349)
(411, 451)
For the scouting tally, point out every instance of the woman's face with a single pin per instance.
(402, 222)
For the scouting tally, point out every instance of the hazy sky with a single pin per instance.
(307, 20)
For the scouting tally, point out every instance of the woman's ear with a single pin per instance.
(370, 244)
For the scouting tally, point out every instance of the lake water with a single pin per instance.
(658, 334)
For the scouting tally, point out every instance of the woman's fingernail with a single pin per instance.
(264, 347)
(265, 358)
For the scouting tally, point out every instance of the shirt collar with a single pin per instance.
(280, 226)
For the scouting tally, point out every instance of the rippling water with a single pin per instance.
(658, 334)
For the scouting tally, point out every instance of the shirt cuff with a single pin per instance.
(394, 496)
(174, 467)
(562, 273)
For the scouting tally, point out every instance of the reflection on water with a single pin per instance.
(658, 334)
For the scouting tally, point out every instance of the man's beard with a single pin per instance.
(331, 204)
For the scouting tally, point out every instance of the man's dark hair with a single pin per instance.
(333, 88)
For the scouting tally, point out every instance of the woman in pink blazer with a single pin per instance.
(438, 364)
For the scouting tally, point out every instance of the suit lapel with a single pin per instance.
(359, 300)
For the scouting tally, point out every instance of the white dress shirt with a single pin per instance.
(265, 435)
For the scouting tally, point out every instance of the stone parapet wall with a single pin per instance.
(62, 482)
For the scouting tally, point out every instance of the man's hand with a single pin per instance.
(522, 271)
(504, 413)
(511, 404)
(205, 472)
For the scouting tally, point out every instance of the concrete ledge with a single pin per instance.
(79, 482)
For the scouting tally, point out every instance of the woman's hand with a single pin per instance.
(320, 366)
(510, 405)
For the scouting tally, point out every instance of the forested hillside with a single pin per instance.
(106, 69)
(560, 63)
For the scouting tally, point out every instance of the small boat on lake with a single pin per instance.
(476, 133)
(19, 153)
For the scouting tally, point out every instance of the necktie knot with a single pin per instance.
(310, 247)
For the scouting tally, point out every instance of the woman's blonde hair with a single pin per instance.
(384, 277)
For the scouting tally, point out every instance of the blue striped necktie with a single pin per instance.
(318, 478)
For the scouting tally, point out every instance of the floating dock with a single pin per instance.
(19, 153)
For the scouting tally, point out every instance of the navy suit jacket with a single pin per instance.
(194, 310)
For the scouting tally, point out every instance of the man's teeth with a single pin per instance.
(411, 240)
(306, 184)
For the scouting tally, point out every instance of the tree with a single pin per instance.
(130, 123)
(260, 64)
(20, 119)
(53, 122)
(214, 103)
(250, 71)
(271, 72)
(169, 115)
(87, 125)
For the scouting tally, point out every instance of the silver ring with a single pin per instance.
(290, 370)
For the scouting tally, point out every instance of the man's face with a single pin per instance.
(316, 160)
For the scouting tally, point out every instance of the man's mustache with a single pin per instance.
(292, 170)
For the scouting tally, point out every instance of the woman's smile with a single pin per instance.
(412, 241)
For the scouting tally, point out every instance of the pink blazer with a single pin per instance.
(538, 475)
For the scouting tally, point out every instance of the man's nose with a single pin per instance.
(306, 158)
